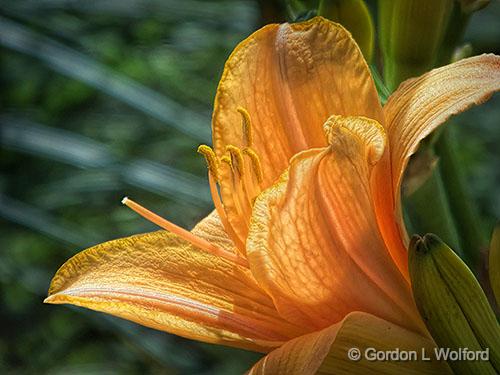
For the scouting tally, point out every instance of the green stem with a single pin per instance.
(453, 36)
(383, 91)
(467, 218)
(321, 7)
(430, 210)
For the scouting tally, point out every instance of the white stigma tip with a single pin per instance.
(124, 200)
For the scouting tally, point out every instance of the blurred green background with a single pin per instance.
(106, 98)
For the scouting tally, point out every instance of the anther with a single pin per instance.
(246, 125)
(227, 159)
(256, 166)
(236, 159)
(211, 159)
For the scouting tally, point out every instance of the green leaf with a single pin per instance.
(76, 65)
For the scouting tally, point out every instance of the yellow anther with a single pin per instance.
(246, 124)
(227, 159)
(236, 159)
(254, 158)
(211, 159)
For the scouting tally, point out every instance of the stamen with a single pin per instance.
(256, 166)
(245, 179)
(211, 159)
(223, 217)
(236, 159)
(247, 126)
(183, 233)
(236, 189)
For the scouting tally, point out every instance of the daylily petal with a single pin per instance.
(290, 78)
(422, 104)
(211, 229)
(326, 351)
(412, 112)
(314, 244)
(161, 281)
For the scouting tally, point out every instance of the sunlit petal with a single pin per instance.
(162, 282)
(290, 78)
(212, 230)
(326, 351)
(422, 104)
(418, 107)
(314, 244)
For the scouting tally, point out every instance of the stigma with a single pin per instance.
(186, 235)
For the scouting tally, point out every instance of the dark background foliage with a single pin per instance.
(107, 98)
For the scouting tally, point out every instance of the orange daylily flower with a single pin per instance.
(305, 255)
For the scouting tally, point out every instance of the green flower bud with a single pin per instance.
(355, 17)
(453, 305)
(411, 33)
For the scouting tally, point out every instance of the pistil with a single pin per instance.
(183, 233)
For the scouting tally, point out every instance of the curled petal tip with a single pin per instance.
(368, 131)
(50, 299)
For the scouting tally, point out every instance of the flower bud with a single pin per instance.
(411, 33)
(355, 17)
(453, 305)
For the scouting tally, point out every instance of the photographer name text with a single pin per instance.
(401, 355)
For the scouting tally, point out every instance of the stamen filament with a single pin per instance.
(245, 182)
(238, 191)
(252, 187)
(223, 217)
(236, 159)
(226, 160)
(183, 233)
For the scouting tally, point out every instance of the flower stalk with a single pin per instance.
(467, 219)
(431, 195)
